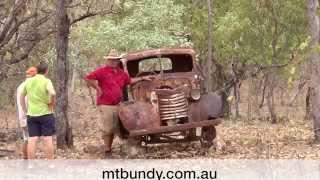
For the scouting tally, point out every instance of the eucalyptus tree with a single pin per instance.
(249, 38)
(313, 17)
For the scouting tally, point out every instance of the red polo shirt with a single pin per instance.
(111, 81)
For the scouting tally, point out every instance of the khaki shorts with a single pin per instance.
(109, 121)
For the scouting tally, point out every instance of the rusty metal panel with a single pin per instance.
(180, 127)
(194, 111)
(208, 107)
(156, 52)
(166, 102)
(141, 90)
(175, 111)
(175, 116)
(138, 115)
(171, 140)
(174, 105)
(211, 105)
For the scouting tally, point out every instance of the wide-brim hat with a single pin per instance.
(113, 55)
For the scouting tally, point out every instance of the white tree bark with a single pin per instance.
(313, 18)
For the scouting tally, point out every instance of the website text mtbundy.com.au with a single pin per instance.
(121, 173)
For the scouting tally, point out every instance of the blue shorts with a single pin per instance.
(41, 125)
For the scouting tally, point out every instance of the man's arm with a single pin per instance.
(144, 78)
(52, 103)
(135, 80)
(21, 114)
(52, 94)
(23, 103)
(23, 99)
(92, 81)
(94, 84)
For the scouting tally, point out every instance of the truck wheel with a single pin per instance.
(207, 136)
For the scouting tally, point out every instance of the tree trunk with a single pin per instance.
(308, 105)
(251, 88)
(64, 131)
(236, 88)
(74, 77)
(236, 92)
(208, 64)
(282, 95)
(270, 97)
(313, 18)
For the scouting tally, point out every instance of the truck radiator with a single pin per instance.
(172, 105)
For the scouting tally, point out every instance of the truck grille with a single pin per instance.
(172, 104)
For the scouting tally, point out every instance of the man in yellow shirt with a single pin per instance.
(40, 118)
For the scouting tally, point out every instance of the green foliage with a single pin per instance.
(260, 33)
(146, 24)
(253, 32)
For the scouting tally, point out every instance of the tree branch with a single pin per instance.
(13, 30)
(91, 14)
(10, 19)
(82, 17)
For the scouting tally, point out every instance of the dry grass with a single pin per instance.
(236, 140)
(261, 140)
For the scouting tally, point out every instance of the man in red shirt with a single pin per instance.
(109, 81)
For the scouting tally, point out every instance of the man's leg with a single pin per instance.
(107, 127)
(48, 147)
(25, 150)
(25, 143)
(47, 131)
(31, 150)
(108, 139)
(34, 133)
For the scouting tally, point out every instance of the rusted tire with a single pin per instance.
(207, 136)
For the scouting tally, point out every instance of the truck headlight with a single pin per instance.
(195, 94)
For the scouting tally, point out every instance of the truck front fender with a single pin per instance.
(138, 115)
(210, 106)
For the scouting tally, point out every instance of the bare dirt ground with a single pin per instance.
(290, 138)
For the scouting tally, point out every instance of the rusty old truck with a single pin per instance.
(174, 105)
